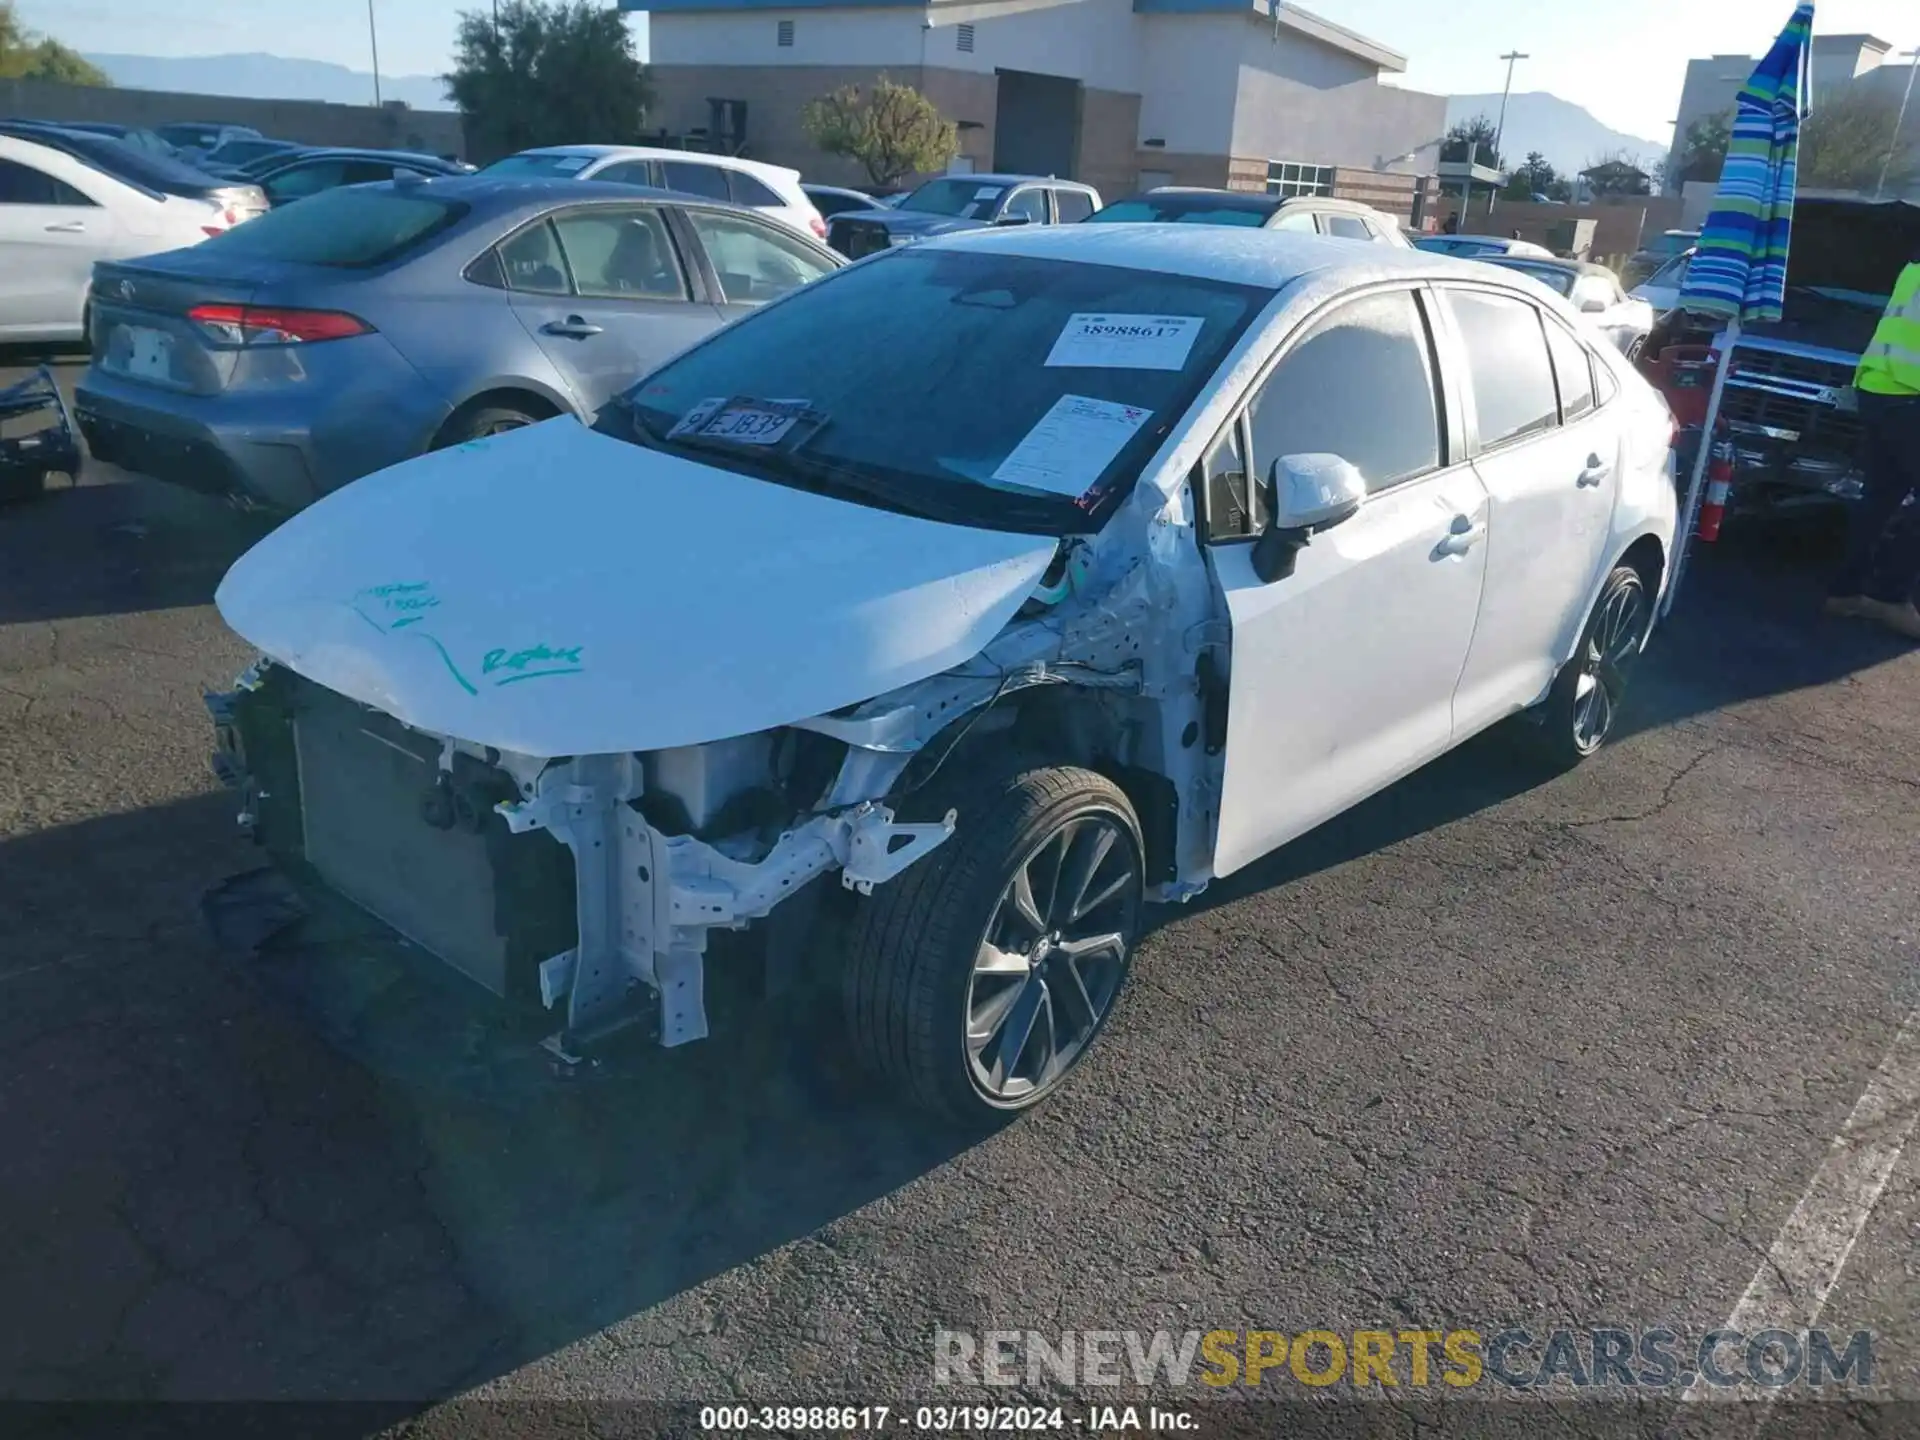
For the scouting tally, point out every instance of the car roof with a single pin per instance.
(503, 195)
(998, 178)
(1327, 205)
(657, 152)
(1197, 195)
(1578, 267)
(354, 152)
(1237, 254)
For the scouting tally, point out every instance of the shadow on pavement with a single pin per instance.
(205, 1202)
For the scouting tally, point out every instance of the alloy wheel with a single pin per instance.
(1613, 644)
(1052, 959)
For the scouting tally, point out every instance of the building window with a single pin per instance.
(1289, 178)
(963, 38)
(786, 34)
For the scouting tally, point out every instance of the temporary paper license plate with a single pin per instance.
(147, 353)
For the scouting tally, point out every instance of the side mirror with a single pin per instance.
(1593, 305)
(1311, 493)
(1014, 220)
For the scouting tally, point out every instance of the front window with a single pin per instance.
(548, 166)
(1174, 212)
(984, 389)
(959, 197)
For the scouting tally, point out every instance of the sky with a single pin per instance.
(1624, 59)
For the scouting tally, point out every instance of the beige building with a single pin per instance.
(1117, 93)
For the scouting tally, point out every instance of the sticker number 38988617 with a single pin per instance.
(1126, 342)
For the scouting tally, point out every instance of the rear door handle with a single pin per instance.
(1466, 532)
(68, 227)
(1596, 471)
(573, 327)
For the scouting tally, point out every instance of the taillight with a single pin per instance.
(274, 325)
(819, 228)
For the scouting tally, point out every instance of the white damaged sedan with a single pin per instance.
(960, 605)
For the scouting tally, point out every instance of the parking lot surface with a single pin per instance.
(1485, 1051)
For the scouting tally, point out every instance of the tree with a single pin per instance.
(1703, 149)
(1472, 138)
(1848, 138)
(26, 56)
(551, 72)
(1535, 177)
(893, 131)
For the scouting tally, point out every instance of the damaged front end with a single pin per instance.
(585, 886)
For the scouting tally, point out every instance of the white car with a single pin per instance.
(1595, 292)
(1013, 581)
(58, 215)
(1661, 290)
(773, 190)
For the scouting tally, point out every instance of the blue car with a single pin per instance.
(365, 325)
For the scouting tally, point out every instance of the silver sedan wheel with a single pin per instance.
(1053, 958)
(1611, 649)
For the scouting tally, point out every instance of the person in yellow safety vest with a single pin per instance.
(1881, 572)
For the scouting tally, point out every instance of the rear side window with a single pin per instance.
(708, 180)
(1347, 227)
(1073, 205)
(621, 255)
(351, 229)
(1573, 369)
(1359, 385)
(748, 191)
(628, 172)
(754, 262)
(1507, 364)
(24, 185)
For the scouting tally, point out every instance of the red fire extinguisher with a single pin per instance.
(1719, 487)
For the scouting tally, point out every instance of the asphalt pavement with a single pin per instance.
(1485, 1052)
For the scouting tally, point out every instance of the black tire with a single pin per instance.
(910, 987)
(1577, 717)
(482, 421)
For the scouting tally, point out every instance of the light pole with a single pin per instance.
(1500, 129)
(1899, 123)
(373, 39)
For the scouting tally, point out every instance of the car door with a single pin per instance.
(753, 260)
(51, 232)
(605, 295)
(1070, 207)
(1550, 460)
(1342, 673)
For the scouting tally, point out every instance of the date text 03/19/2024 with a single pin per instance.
(940, 1419)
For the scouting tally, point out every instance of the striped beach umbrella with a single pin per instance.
(1739, 269)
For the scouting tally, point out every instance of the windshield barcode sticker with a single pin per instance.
(1072, 445)
(1126, 342)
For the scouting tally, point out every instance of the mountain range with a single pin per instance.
(273, 77)
(1564, 132)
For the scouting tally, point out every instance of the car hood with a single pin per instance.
(554, 591)
(916, 223)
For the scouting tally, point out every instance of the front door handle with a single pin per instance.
(573, 327)
(1462, 536)
(1596, 471)
(68, 227)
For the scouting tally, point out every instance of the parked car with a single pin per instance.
(137, 136)
(59, 215)
(373, 322)
(236, 200)
(773, 190)
(832, 200)
(195, 138)
(1796, 436)
(1482, 247)
(308, 172)
(1183, 205)
(1662, 288)
(272, 160)
(1053, 572)
(232, 156)
(963, 202)
(1595, 292)
(1656, 253)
